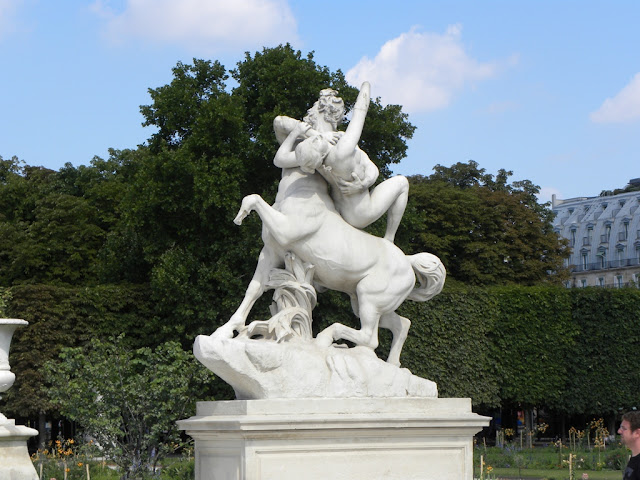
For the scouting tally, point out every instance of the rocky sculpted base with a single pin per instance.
(258, 369)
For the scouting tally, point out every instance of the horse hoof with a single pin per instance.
(324, 340)
(239, 218)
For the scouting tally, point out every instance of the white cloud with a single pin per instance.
(8, 9)
(206, 26)
(624, 107)
(421, 71)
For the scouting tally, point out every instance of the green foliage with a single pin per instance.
(184, 469)
(602, 372)
(53, 224)
(128, 400)
(449, 343)
(62, 317)
(143, 243)
(532, 342)
(5, 298)
(613, 458)
(485, 230)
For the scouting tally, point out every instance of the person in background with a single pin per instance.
(630, 435)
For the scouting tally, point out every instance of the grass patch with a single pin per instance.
(550, 462)
(550, 474)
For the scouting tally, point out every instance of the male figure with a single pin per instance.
(630, 435)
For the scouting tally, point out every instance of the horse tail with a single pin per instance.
(430, 273)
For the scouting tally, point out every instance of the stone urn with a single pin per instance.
(15, 463)
(7, 327)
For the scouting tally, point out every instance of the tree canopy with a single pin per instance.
(161, 214)
(485, 230)
(153, 225)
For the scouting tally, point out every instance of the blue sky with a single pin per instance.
(547, 89)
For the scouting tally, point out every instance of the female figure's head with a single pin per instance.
(311, 152)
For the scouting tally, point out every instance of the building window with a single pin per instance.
(601, 281)
(585, 261)
(583, 282)
(589, 235)
(619, 281)
(573, 237)
(603, 262)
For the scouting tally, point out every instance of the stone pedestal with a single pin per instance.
(15, 463)
(338, 439)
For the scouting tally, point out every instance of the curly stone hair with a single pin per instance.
(330, 105)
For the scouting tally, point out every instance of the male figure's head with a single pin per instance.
(329, 107)
(630, 431)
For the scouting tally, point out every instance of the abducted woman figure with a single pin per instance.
(315, 144)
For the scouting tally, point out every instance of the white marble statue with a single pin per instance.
(296, 395)
(313, 230)
(320, 228)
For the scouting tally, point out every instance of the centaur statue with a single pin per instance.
(323, 201)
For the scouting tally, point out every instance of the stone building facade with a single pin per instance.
(604, 236)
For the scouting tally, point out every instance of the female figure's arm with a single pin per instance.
(349, 141)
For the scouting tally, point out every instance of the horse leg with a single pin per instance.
(399, 327)
(282, 228)
(367, 336)
(267, 261)
(354, 304)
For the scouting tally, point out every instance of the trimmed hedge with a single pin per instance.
(68, 317)
(569, 350)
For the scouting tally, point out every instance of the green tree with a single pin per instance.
(128, 400)
(213, 146)
(63, 316)
(485, 230)
(46, 234)
(280, 81)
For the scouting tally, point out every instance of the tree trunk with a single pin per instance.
(42, 437)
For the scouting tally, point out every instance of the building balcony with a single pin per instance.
(626, 262)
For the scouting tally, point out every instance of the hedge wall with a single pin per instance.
(67, 317)
(573, 351)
